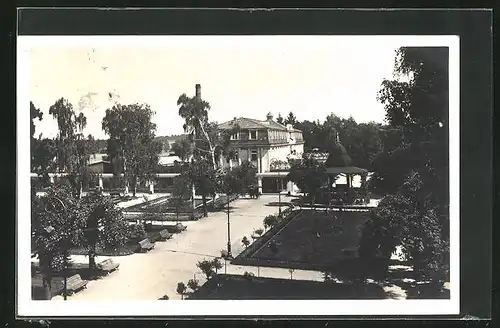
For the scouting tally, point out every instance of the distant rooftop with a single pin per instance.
(250, 123)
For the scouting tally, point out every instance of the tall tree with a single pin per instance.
(72, 150)
(248, 174)
(181, 192)
(415, 213)
(202, 174)
(194, 111)
(309, 175)
(280, 119)
(105, 225)
(182, 149)
(43, 151)
(206, 139)
(291, 119)
(418, 107)
(63, 113)
(57, 223)
(131, 142)
(35, 113)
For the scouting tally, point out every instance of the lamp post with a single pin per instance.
(229, 255)
(279, 195)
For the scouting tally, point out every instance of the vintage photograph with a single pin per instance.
(179, 168)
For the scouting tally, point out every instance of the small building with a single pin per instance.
(167, 159)
(100, 167)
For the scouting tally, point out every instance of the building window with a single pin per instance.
(235, 136)
(253, 155)
(253, 135)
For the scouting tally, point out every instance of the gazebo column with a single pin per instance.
(259, 184)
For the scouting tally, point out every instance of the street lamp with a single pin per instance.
(279, 195)
(229, 255)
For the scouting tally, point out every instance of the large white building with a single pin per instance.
(267, 144)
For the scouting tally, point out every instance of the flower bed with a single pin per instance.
(308, 240)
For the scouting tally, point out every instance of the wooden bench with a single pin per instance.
(75, 283)
(108, 266)
(164, 235)
(145, 245)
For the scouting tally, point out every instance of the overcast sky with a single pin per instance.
(239, 76)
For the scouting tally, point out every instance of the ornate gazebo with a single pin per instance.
(339, 163)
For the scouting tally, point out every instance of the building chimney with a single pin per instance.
(269, 116)
(198, 91)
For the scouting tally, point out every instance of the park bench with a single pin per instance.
(164, 235)
(145, 245)
(75, 283)
(108, 266)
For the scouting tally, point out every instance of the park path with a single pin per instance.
(151, 275)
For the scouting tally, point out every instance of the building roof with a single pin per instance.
(99, 162)
(168, 160)
(345, 169)
(250, 123)
(338, 156)
(97, 158)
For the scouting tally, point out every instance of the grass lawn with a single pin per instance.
(237, 287)
(313, 239)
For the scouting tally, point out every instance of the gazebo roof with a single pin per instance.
(338, 156)
(345, 169)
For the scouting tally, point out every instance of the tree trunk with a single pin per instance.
(47, 286)
(134, 186)
(92, 253)
(204, 205)
(192, 196)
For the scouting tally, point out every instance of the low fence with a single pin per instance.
(185, 214)
(287, 216)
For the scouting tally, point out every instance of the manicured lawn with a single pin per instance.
(237, 287)
(313, 238)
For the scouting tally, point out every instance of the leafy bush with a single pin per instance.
(181, 289)
(164, 298)
(193, 284)
(136, 232)
(207, 267)
(248, 275)
(245, 241)
(270, 221)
